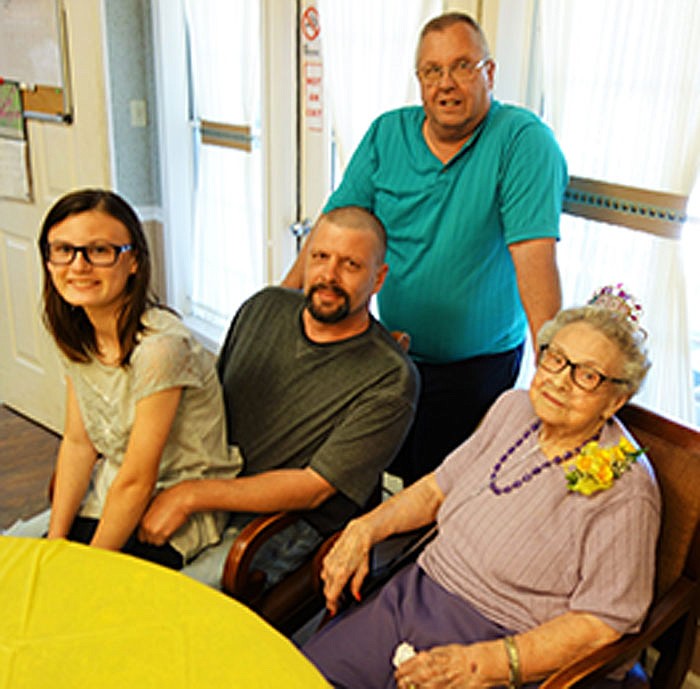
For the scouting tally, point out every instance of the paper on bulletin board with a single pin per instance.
(14, 170)
(11, 117)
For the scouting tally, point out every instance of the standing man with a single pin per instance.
(470, 191)
(318, 398)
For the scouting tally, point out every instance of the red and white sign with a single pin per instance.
(310, 23)
(313, 88)
(312, 68)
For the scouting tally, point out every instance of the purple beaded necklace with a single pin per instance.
(529, 475)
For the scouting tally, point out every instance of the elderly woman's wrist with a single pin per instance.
(361, 530)
(514, 667)
(488, 663)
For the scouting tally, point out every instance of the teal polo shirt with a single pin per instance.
(451, 281)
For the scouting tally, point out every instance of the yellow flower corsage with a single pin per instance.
(596, 468)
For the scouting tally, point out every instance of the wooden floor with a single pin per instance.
(27, 456)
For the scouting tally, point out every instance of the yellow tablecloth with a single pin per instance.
(80, 617)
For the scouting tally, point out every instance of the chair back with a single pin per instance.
(674, 451)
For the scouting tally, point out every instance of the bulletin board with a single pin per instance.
(34, 55)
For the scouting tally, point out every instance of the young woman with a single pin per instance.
(144, 407)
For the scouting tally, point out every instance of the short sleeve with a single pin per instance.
(532, 184)
(166, 360)
(366, 439)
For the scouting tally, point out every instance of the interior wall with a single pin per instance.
(132, 103)
(133, 121)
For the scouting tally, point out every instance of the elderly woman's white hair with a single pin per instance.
(617, 327)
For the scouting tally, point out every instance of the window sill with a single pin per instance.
(208, 335)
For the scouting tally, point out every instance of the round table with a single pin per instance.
(76, 616)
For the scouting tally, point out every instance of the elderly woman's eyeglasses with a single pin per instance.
(101, 254)
(461, 70)
(582, 375)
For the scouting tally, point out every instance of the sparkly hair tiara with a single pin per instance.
(616, 298)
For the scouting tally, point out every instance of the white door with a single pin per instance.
(62, 157)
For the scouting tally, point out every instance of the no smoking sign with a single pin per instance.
(310, 24)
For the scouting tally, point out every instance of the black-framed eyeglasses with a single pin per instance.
(461, 70)
(101, 254)
(582, 375)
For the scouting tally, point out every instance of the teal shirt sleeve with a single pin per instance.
(533, 178)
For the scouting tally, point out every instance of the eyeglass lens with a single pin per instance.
(582, 375)
(461, 70)
(98, 254)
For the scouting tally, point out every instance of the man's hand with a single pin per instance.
(403, 339)
(165, 515)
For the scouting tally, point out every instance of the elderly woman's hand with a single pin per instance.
(456, 666)
(347, 559)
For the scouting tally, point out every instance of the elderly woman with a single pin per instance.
(546, 538)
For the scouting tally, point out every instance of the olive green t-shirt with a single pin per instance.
(341, 408)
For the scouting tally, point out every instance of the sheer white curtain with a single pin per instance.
(369, 61)
(621, 89)
(228, 246)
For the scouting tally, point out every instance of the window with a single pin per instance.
(223, 128)
(225, 115)
(625, 109)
